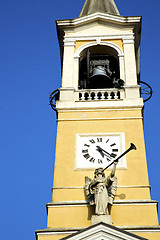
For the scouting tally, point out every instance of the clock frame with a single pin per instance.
(93, 150)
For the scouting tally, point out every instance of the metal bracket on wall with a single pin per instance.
(53, 97)
(146, 91)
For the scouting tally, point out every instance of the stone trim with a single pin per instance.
(81, 187)
(101, 110)
(95, 119)
(116, 202)
(106, 229)
(60, 231)
(94, 16)
(101, 105)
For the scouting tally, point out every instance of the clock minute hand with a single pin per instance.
(102, 150)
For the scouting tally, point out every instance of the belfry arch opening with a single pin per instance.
(99, 68)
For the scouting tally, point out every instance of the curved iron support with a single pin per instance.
(146, 91)
(53, 97)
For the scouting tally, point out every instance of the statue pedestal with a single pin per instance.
(101, 218)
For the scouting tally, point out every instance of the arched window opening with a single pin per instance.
(99, 68)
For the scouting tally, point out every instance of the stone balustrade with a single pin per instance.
(100, 94)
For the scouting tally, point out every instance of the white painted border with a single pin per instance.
(77, 148)
(95, 43)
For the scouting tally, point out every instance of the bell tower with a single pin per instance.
(100, 104)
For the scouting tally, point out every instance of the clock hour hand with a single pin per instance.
(101, 150)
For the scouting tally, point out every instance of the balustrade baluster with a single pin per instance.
(83, 96)
(102, 96)
(89, 96)
(96, 95)
(109, 95)
(115, 95)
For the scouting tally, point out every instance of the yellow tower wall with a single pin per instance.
(133, 209)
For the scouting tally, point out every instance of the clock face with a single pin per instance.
(98, 150)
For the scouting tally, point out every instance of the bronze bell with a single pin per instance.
(99, 70)
(100, 78)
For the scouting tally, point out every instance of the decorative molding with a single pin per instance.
(103, 231)
(101, 110)
(132, 86)
(115, 202)
(94, 43)
(82, 187)
(68, 188)
(146, 230)
(67, 89)
(95, 119)
(102, 16)
(143, 227)
(69, 42)
(55, 233)
(109, 36)
(65, 231)
(101, 37)
(138, 186)
(128, 39)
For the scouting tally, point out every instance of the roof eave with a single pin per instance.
(106, 17)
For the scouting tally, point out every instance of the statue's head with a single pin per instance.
(99, 172)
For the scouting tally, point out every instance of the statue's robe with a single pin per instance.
(99, 187)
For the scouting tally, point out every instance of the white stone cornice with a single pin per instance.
(129, 39)
(98, 119)
(125, 41)
(102, 16)
(69, 41)
(67, 89)
(82, 187)
(132, 86)
(102, 37)
(116, 202)
(102, 110)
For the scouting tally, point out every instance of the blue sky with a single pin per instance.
(29, 71)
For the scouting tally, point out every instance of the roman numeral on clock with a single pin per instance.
(92, 160)
(115, 150)
(86, 145)
(86, 156)
(85, 151)
(92, 141)
(99, 139)
(112, 144)
(113, 155)
(100, 161)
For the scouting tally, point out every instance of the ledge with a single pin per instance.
(72, 230)
(82, 187)
(116, 202)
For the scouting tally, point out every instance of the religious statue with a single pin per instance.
(101, 190)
